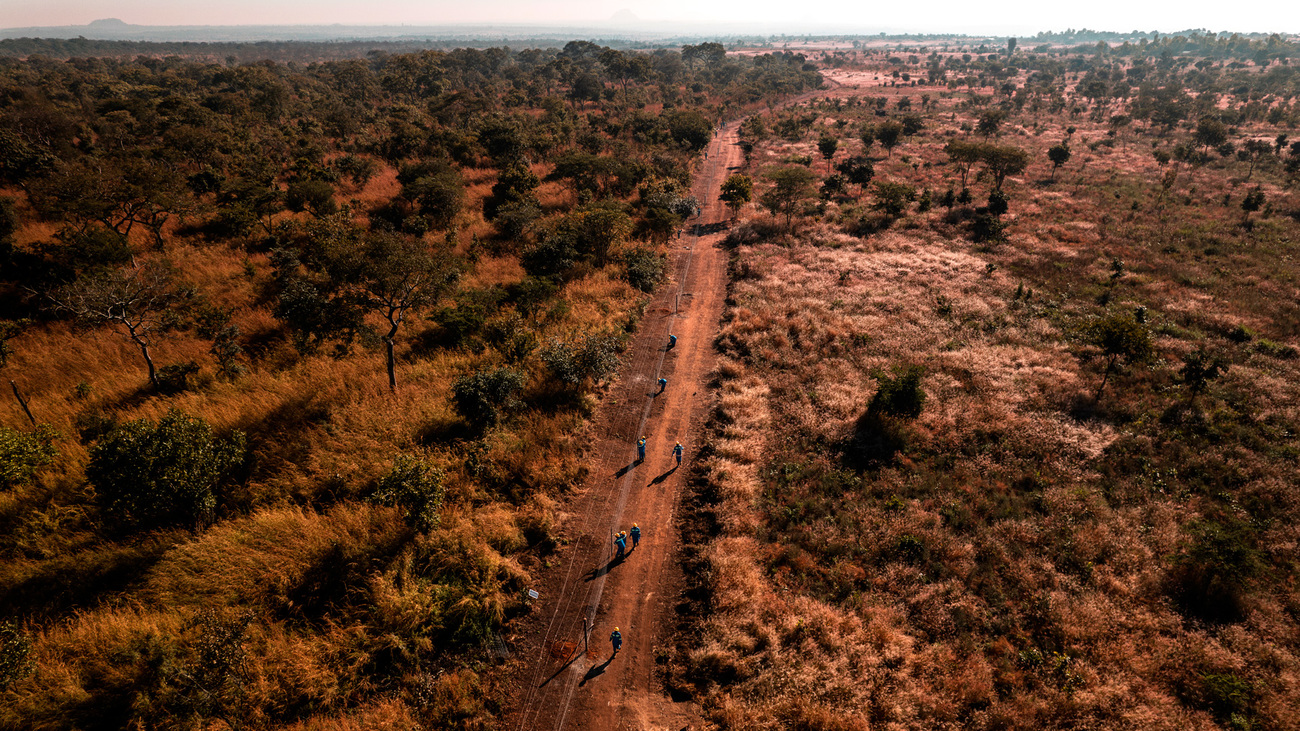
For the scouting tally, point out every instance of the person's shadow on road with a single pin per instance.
(596, 671)
(600, 571)
(663, 477)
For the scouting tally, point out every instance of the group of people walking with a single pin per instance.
(621, 538)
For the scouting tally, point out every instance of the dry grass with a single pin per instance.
(1013, 564)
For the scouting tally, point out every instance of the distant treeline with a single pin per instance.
(247, 52)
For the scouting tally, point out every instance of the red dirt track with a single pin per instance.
(557, 684)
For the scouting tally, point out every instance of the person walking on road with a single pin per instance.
(636, 535)
(640, 450)
(620, 543)
(663, 383)
(616, 639)
(677, 452)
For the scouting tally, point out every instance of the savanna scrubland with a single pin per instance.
(1007, 412)
(301, 356)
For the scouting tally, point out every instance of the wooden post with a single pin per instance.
(585, 631)
(21, 402)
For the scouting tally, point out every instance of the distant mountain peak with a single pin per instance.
(107, 23)
(624, 16)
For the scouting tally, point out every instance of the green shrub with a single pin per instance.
(15, 652)
(22, 454)
(1210, 578)
(481, 397)
(645, 268)
(415, 488)
(149, 475)
(590, 358)
(898, 395)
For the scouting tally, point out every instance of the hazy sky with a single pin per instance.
(1003, 16)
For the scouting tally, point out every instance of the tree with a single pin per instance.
(990, 121)
(1210, 132)
(736, 191)
(827, 145)
(315, 196)
(1253, 201)
(868, 136)
(1120, 337)
(1059, 155)
(149, 475)
(892, 198)
(889, 134)
(790, 185)
(435, 189)
(1002, 161)
(1253, 150)
(396, 275)
(857, 170)
(141, 301)
(964, 155)
(1199, 368)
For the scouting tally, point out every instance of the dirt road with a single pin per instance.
(558, 684)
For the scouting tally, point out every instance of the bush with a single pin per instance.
(481, 397)
(1210, 578)
(22, 454)
(592, 357)
(149, 475)
(175, 378)
(415, 488)
(898, 395)
(645, 268)
(15, 652)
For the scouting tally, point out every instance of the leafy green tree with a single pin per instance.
(1059, 155)
(827, 144)
(1120, 337)
(1253, 201)
(393, 276)
(483, 396)
(736, 191)
(435, 189)
(790, 186)
(889, 134)
(1210, 132)
(1003, 160)
(149, 475)
(857, 170)
(1199, 368)
(868, 136)
(315, 196)
(964, 155)
(990, 122)
(690, 129)
(893, 198)
(23, 454)
(416, 489)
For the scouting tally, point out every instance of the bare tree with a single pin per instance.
(136, 300)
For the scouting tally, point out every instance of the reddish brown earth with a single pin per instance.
(558, 683)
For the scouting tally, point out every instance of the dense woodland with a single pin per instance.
(1009, 404)
(299, 353)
